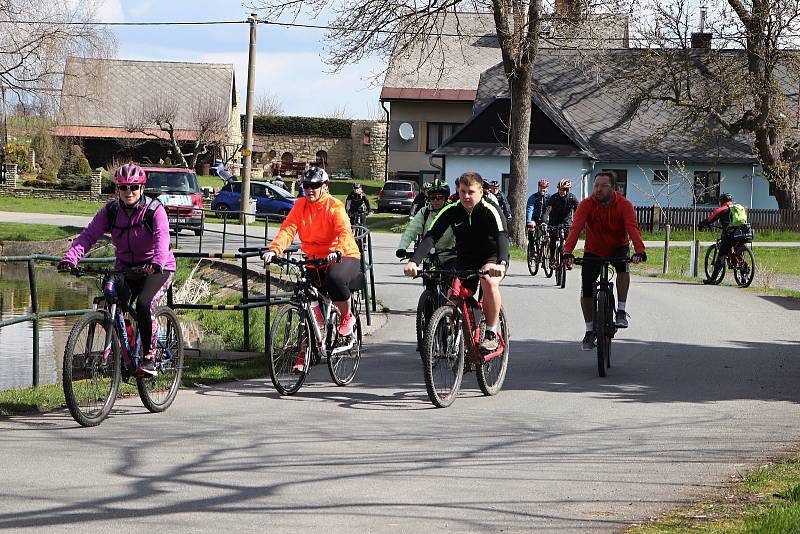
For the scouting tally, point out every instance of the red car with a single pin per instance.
(178, 190)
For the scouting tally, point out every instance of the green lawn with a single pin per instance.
(35, 232)
(779, 260)
(686, 235)
(42, 205)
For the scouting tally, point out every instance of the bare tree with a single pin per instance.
(338, 112)
(158, 119)
(37, 37)
(268, 105)
(737, 85)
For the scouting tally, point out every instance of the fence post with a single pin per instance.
(11, 175)
(371, 273)
(246, 311)
(97, 182)
(656, 219)
(35, 312)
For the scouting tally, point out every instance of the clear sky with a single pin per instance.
(289, 60)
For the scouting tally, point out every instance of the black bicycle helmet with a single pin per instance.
(356, 185)
(315, 175)
(725, 197)
(439, 186)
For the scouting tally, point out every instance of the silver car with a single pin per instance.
(397, 195)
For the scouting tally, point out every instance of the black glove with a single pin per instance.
(154, 267)
(401, 253)
(64, 266)
(642, 256)
(703, 225)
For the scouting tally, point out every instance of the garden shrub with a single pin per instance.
(18, 154)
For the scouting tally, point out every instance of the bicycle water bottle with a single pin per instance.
(317, 320)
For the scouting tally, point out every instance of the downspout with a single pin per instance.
(752, 179)
(386, 147)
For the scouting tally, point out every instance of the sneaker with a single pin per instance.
(588, 341)
(147, 368)
(347, 324)
(490, 342)
(622, 319)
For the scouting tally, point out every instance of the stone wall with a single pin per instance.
(303, 149)
(10, 188)
(369, 149)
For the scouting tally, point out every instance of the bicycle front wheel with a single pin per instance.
(344, 364)
(425, 308)
(603, 308)
(443, 357)
(544, 254)
(533, 256)
(289, 344)
(90, 374)
(710, 261)
(492, 374)
(157, 393)
(745, 268)
(561, 270)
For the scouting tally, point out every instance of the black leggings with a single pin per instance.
(336, 277)
(147, 290)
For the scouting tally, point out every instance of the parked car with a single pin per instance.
(270, 199)
(178, 190)
(397, 195)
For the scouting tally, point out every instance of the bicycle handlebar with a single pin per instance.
(452, 272)
(318, 262)
(601, 260)
(83, 271)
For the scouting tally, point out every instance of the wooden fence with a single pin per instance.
(651, 218)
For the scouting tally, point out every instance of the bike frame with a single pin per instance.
(461, 298)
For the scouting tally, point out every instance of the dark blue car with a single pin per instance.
(269, 198)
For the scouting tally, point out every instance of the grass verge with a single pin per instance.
(196, 373)
(686, 235)
(36, 232)
(44, 205)
(765, 500)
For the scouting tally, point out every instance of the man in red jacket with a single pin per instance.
(610, 222)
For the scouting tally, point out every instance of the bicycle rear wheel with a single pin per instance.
(343, 365)
(533, 255)
(602, 331)
(157, 393)
(90, 378)
(443, 357)
(711, 259)
(492, 374)
(289, 343)
(745, 270)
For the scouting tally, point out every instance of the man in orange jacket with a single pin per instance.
(610, 222)
(324, 229)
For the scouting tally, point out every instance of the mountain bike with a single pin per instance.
(740, 260)
(604, 323)
(358, 218)
(452, 339)
(296, 338)
(101, 349)
(539, 252)
(560, 270)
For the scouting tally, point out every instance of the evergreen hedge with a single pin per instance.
(315, 126)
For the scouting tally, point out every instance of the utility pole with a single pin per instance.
(247, 151)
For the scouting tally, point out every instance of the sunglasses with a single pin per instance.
(438, 197)
(129, 187)
(311, 185)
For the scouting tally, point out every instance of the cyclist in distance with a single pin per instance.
(558, 210)
(723, 215)
(325, 233)
(610, 222)
(481, 243)
(502, 201)
(139, 230)
(357, 205)
(536, 203)
(438, 194)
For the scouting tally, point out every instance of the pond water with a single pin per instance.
(56, 292)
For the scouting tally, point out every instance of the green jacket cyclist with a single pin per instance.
(419, 225)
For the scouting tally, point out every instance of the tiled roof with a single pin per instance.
(459, 62)
(578, 98)
(101, 92)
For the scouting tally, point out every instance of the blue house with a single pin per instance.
(580, 125)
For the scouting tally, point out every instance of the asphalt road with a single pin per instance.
(703, 386)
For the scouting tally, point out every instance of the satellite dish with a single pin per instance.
(406, 131)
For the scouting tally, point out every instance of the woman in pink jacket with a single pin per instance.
(140, 232)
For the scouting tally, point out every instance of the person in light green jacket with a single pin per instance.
(438, 194)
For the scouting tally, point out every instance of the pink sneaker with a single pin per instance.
(347, 324)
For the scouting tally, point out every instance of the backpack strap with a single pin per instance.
(112, 208)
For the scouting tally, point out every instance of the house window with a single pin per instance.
(622, 180)
(438, 132)
(771, 189)
(661, 176)
(321, 159)
(287, 158)
(367, 136)
(505, 179)
(706, 186)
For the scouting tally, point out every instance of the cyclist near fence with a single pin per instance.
(558, 211)
(610, 222)
(325, 233)
(730, 217)
(357, 205)
(481, 243)
(140, 233)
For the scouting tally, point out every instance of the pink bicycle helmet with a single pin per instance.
(544, 183)
(130, 174)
